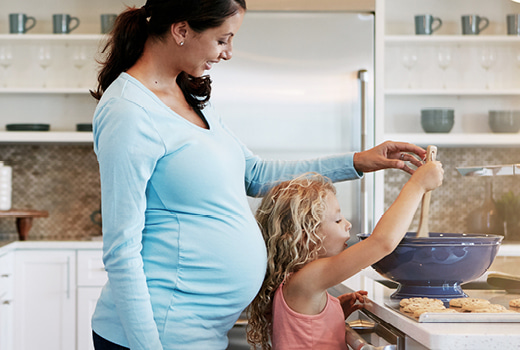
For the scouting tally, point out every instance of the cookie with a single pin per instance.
(407, 301)
(460, 302)
(491, 308)
(514, 302)
(470, 306)
(421, 311)
(410, 308)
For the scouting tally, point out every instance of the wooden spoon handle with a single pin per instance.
(423, 230)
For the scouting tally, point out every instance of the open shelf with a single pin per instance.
(454, 39)
(45, 137)
(458, 139)
(52, 37)
(30, 90)
(452, 92)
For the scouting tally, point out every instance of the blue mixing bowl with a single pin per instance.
(436, 266)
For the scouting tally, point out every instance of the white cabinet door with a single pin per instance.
(45, 307)
(6, 301)
(87, 299)
(6, 323)
(91, 278)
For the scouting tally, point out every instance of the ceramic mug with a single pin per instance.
(513, 24)
(107, 22)
(61, 23)
(473, 24)
(18, 23)
(424, 24)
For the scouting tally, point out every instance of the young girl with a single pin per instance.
(306, 236)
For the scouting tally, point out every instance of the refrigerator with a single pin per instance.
(300, 85)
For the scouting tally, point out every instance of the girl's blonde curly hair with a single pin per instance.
(289, 217)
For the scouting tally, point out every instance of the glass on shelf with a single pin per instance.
(6, 59)
(44, 60)
(79, 59)
(487, 59)
(444, 60)
(409, 59)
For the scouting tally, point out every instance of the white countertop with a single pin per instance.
(445, 336)
(6, 246)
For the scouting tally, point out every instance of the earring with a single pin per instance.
(181, 43)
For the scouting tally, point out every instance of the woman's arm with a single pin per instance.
(127, 148)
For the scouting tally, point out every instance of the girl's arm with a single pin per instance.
(315, 278)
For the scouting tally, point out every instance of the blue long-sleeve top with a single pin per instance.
(181, 247)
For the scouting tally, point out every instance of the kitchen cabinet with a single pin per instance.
(463, 84)
(58, 94)
(46, 78)
(6, 301)
(45, 308)
(91, 278)
(445, 69)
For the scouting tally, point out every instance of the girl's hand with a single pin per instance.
(351, 302)
(428, 176)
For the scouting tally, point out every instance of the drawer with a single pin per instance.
(91, 271)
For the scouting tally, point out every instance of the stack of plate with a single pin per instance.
(27, 127)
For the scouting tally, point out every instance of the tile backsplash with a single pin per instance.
(64, 180)
(458, 196)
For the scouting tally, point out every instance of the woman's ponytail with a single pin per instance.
(125, 46)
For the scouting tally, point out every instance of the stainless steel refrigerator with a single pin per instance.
(299, 85)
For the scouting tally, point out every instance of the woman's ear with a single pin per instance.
(179, 32)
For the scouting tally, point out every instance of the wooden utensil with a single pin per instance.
(423, 230)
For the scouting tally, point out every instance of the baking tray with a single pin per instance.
(463, 317)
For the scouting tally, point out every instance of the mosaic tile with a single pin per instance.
(458, 196)
(62, 179)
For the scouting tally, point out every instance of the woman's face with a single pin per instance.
(334, 228)
(212, 45)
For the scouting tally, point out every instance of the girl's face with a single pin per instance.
(212, 45)
(334, 228)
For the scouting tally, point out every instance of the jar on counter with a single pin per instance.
(5, 186)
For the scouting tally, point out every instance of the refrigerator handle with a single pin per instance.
(363, 79)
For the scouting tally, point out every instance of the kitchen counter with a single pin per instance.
(445, 336)
(9, 245)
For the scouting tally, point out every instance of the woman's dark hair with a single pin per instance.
(133, 27)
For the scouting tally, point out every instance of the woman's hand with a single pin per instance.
(389, 155)
(351, 302)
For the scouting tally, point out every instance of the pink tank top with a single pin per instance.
(292, 330)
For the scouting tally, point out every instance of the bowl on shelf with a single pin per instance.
(84, 127)
(504, 121)
(437, 120)
(437, 266)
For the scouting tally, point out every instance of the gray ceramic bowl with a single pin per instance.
(504, 121)
(438, 120)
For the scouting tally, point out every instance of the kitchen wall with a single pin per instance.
(62, 179)
(451, 203)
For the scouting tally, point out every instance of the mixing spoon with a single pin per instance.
(424, 231)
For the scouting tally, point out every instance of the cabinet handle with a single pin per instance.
(5, 275)
(68, 277)
(6, 302)
(363, 80)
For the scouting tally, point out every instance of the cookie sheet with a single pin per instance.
(462, 317)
